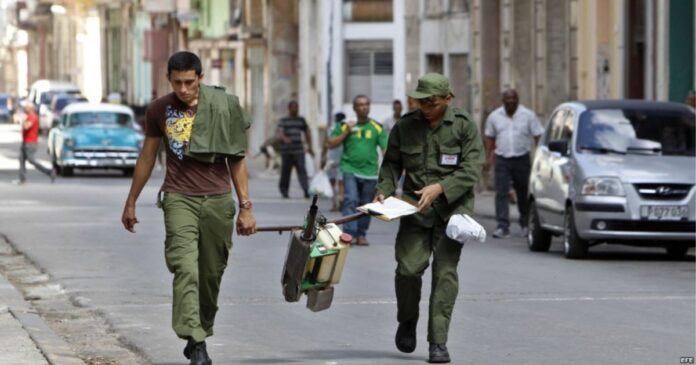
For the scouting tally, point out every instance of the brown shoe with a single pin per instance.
(362, 241)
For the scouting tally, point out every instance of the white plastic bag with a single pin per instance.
(309, 164)
(463, 228)
(320, 185)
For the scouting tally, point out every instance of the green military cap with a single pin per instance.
(431, 84)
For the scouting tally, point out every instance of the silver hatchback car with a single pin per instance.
(615, 171)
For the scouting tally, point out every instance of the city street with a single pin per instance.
(622, 305)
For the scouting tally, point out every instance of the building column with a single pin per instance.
(399, 51)
(587, 49)
(485, 25)
(336, 83)
(662, 50)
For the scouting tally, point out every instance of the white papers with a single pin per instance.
(392, 208)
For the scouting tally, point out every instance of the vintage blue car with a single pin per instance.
(95, 136)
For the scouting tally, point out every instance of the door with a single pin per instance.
(540, 179)
(559, 174)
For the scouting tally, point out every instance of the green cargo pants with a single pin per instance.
(414, 245)
(199, 239)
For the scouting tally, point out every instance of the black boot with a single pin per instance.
(438, 354)
(406, 336)
(188, 348)
(199, 355)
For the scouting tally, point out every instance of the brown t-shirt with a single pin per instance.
(172, 119)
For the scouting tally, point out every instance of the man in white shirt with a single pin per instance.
(509, 130)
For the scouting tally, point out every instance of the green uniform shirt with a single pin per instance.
(450, 154)
(360, 148)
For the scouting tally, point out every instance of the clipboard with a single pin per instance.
(392, 208)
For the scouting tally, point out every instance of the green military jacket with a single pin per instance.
(219, 127)
(451, 154)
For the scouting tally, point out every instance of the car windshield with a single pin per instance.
(47, 96)
(620, 130)
(63, 102)
(100, 119)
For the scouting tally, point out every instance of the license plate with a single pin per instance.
(664, 212)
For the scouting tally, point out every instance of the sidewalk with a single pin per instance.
(25, 339)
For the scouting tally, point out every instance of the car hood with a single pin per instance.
(640, 168)
(104, 137)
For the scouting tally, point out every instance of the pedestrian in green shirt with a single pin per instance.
(359, 163)
(441, 152)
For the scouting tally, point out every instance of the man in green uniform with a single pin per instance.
(197, 200)
(440, 149)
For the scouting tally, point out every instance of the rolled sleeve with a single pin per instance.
(490, 128)
(469, 169)
(535, 126)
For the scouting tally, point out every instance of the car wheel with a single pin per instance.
(128, 172)
(67, 171)
(574, 247)
(538, 239)
(677, 251)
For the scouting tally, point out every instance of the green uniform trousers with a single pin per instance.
(414, 246)
(199, 239)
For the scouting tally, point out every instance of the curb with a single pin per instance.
(52, 347)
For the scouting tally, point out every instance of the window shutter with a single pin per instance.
(358, 80)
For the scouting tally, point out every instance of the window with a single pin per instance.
(100, 119)
(435, 63)
(553, 130)
(637, 131)
(370, 71)
(568, 126)
(459, 6)
(434, 8)
(368, 10)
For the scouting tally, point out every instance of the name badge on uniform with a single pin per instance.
(449, 160)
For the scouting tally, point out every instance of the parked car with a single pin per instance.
(5, 112)
(41, 93)
(615, 171)
(95, 136)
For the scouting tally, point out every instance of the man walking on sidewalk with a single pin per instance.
(359, 163)
(509, 130)
(30, 140)
(292, 150)
(440, 150)
(204, 130)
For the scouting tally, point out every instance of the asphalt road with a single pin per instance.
(621, 306)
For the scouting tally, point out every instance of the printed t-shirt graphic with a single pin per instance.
(178, 128)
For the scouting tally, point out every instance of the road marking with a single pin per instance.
(390, 301)
(585, 299)
(10, 133)
(13, 163)
(14, 203)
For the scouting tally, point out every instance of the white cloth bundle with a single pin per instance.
(463, 228)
